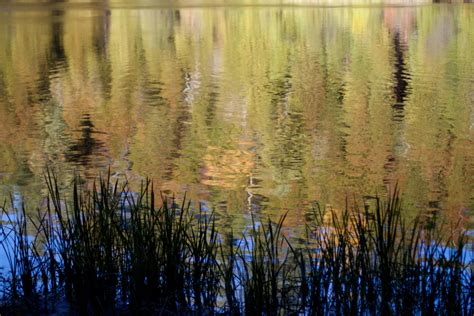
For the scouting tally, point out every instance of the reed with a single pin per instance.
(110, 251)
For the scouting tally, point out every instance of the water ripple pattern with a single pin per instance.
(248, 106)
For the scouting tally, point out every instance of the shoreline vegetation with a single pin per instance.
(110, 251)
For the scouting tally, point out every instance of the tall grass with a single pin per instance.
(110, 250)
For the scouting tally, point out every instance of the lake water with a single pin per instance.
(251, 107)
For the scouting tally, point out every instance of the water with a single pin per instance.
(250, 107)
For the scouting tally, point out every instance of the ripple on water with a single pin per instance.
(266, 108)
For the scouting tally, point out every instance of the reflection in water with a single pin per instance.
(400, 73)
(57, 47)
(249, 109)
(86, 147)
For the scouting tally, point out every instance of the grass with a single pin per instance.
(111, 251)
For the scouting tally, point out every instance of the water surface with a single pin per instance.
(249, 107)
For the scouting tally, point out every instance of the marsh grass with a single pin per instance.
(113, 251)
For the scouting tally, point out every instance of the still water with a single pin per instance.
(249, 107)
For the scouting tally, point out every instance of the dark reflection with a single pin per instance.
(177, 16)
(57, 45)
(86, 147)
(400, 75)
(101, 39)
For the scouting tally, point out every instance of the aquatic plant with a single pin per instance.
(110, 250)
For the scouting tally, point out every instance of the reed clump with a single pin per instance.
(112, 251)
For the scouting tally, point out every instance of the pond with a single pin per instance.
(251, 107)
